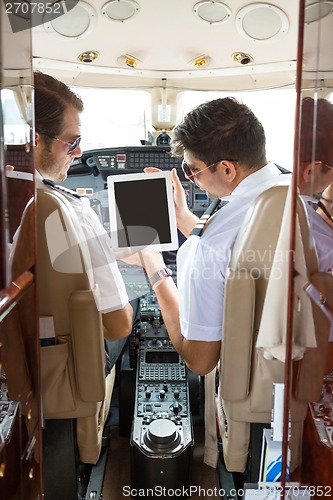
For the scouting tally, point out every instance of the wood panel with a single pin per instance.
(317, 466)
(20, 409)
(317, 463)
(19, 191)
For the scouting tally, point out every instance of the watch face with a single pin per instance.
(166, 272)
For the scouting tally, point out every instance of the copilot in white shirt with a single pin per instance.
(105, 270)
(202, 261)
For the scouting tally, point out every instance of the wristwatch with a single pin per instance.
(159, 276)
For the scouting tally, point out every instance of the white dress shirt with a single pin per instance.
(104, 266)
(323, 236)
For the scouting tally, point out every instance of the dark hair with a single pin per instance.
(316, 130)
(52, 97)
(221, 129)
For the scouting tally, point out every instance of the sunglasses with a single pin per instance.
(190, 175)
(318, 162)
(325, 165)
(72, 145)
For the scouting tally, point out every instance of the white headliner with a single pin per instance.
(166, 36)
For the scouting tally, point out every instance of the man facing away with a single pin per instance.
(222, 144)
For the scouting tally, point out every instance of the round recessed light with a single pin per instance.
(88, 56)
(242, 57)
(262, 22)
(212, 11)
(317, 10)
(76, 23)
(120, 10)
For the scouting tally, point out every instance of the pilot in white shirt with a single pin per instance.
(203, 261)
(104, 266)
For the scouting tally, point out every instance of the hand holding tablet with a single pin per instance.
(142, 212)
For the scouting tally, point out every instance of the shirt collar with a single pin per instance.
(308, 198)
(38, 179)
(258, 177)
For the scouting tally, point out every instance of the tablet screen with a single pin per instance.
(142, 211)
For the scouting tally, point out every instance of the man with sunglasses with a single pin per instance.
(57, 143)
(316, 173)
(315, 180)
(223, 147)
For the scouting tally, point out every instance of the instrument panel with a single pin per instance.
(322, 413)
(88, 174)
(162, 421)
(132, 158)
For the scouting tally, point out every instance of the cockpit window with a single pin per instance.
(113, 117)
(275, 108)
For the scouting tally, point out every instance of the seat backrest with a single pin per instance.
(72, 368)
(246, 375)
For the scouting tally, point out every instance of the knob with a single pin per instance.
(162, 434)
(176, 408)
(165, 387)
(148, 394)
(162, 394)
(176, 394)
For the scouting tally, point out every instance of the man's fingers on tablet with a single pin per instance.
(175, 179)
(150, 170)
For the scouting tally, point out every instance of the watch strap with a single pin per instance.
(159, 276)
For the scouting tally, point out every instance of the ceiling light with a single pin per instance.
(212, 11)
(89, 56)
(129, 61)
(77, 22)
(317, 10)
(242, 57)
(200, 61)
(120, 10)
(262, 22)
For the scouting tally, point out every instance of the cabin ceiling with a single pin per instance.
(164, 38)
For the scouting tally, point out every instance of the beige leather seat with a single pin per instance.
(246, 376)
(72, 370)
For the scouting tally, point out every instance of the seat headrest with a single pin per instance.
(258, 235)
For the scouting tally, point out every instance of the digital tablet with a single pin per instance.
(142, 211)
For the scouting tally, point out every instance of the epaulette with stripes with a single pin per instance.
(62, 189)
(202, 222)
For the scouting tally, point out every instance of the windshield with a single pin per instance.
(115, 118)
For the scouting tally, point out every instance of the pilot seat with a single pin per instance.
(246, 375)
(76, 390)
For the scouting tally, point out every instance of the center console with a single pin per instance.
(162, 435)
